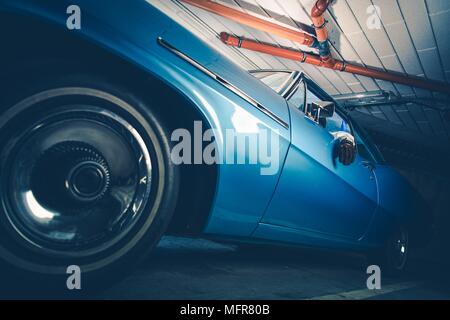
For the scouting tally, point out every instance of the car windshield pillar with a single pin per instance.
(278, 81)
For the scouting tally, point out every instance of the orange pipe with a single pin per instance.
(318, 20)
(338, 65)
(319, 23)
(254, 22)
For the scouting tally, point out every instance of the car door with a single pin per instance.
(317, 193)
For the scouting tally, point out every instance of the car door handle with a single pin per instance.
(370, 166)
(367, 164)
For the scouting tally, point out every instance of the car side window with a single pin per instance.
(311, 97)
(298, 97)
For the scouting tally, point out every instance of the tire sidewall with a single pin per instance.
(157, 214)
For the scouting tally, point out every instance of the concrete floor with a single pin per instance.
(183, 268)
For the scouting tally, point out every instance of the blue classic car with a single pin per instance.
(96, 124)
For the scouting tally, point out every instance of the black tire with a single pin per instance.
(393, 257)
(100, 138)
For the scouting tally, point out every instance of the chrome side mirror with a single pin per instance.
(320, 110)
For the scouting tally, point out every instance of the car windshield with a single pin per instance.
(274, 79)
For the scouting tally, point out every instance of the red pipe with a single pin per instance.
(254, 22)
(338, 65)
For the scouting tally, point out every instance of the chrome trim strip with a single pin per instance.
(271, 70)
(293, 83)
(285, 83)
(223, 82)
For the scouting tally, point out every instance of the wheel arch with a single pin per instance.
(26, 51)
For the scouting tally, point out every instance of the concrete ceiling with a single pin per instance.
(412, 39)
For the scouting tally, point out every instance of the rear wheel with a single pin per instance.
(85, 180)
(393, 257)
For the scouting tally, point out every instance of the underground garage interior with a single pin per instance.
(120, 151)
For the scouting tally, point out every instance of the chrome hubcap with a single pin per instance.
(70, 174)
(77, 181)
(87, 181)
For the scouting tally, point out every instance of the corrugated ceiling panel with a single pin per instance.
(376, 112)
(418, 22)
(419, 116)
(391, 115)
(354, 31)
(404, 114)
(439, 12)
(436, 123)
(398, 33)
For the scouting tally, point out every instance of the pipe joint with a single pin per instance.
(304, 57)
(240, 39)
(324, 49)
(321, 26)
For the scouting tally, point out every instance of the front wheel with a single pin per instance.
(85, 180)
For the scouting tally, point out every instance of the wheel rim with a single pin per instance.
(399, 248)
(78, 181)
